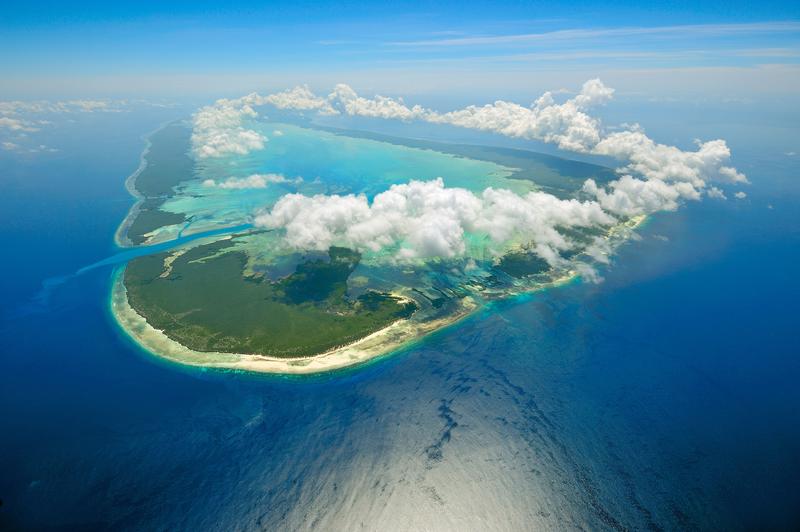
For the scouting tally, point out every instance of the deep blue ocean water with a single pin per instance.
(665, 397)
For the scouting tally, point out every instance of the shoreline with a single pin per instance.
(383, 342)
(121, 234)
(121, 239)
(373, 346)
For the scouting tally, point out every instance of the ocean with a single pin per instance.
(663, 398)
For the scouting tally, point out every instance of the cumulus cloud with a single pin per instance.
(251, 181)
(299, 99)
(345, 99)
(669, 163)
(567, 125)
(714, 192)
(628, 196)
(425, 219)
(219, 130)
(740, 195)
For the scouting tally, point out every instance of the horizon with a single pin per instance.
(461, 50)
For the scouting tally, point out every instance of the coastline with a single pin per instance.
(375, 345)
(121, 239)
(380, 343)
(121, 234)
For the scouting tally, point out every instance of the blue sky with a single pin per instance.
(462, 49)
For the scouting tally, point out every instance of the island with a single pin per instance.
(235, 297)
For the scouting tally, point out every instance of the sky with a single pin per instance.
(459, 51)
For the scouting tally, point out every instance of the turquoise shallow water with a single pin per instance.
(664, 398)
(325, 163)
(315, 154)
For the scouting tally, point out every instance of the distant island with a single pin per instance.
(237, 298)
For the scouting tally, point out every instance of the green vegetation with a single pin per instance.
(168, 164)
(206, 304)
(168, 161)
(558, 176)
(522, 263)
(149, 218)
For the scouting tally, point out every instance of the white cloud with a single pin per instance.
(714, 192)
(10, 146)
(671, 174)
(345, 98)
(251, 181)
(740, 195)
(16, 124)
(277, 133)
(566, 125)
(537, 218)
(628, 196)
(219, 131)
(426, 219)
(668, 163)
(299, 99)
